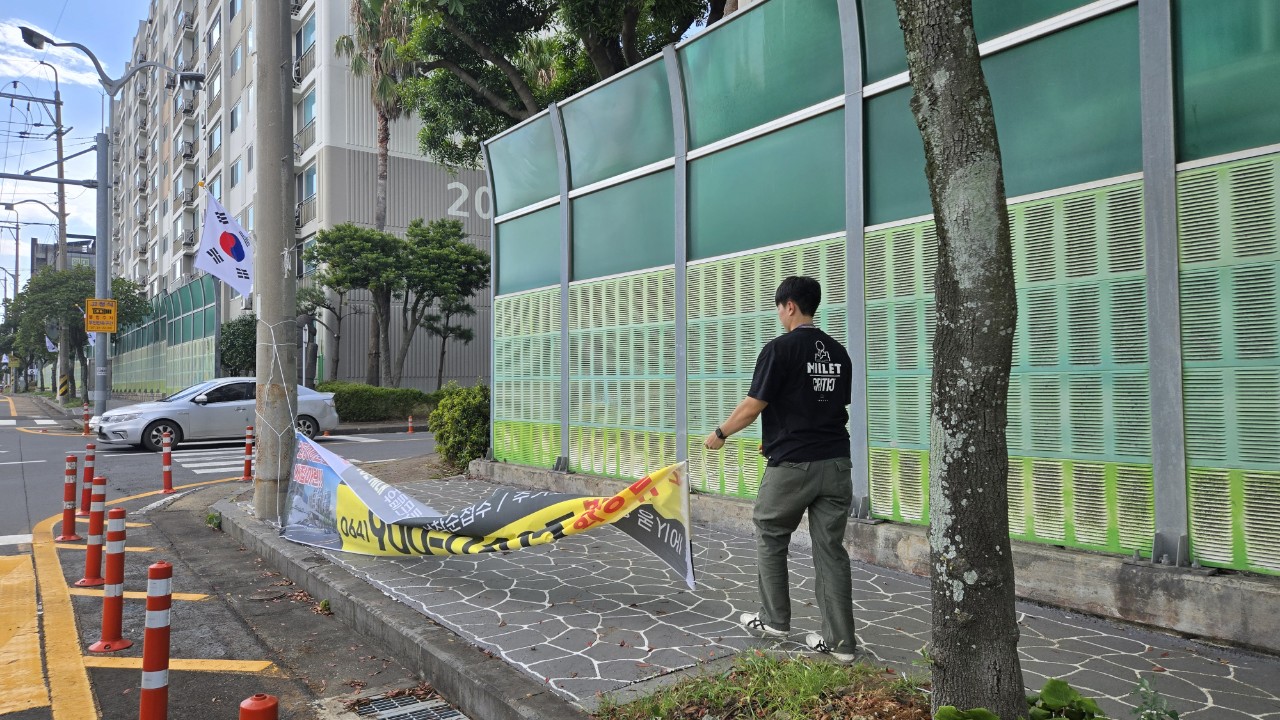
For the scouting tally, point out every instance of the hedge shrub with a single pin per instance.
(461, 424)
(357, 402)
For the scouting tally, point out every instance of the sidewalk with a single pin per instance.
(593, 614)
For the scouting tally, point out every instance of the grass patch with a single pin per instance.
(780, 688)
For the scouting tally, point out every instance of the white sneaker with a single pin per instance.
(817, 644)
(752, 621)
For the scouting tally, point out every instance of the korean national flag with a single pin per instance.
(49, 345)
(225, 251)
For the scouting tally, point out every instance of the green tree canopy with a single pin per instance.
(485, 65)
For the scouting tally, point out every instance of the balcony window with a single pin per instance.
(309, 183)
(306, 37)
(233, 9)
(237, 172)
(215, 137)
(237, 58)
(215, 187)
(215, 82)
(215, 32)
(248, 158)
(235, 117)
(308, 108)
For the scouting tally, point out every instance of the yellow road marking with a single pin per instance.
(69, 546)
(132, 595)
(12, 412)
(37, 431)
(69, 691)
(19, 637)
(135, 663)
(127, 524)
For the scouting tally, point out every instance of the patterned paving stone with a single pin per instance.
(592, 614)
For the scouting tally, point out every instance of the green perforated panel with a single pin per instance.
(622, 368)
(731, 317)
(526, 381)
(1079, 420)
(1229, 240)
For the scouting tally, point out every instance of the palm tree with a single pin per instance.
(379, 28)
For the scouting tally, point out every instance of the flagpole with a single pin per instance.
(217, 326)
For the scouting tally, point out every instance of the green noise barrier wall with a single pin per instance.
(173, 347)
(622, 370)
(526, 380)
(1228, 225)
(1079, 420)
(731, 317)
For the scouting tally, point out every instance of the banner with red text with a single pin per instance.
(336, 505)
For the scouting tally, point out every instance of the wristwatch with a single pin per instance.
(720, 434)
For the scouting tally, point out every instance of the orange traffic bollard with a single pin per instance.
(166, 464)
(260, 707)
(93, 552)
(248, 455)
(410, 430)
(69, 503)
(86, 487)
(154, 699)
(86, 418)
(113, 590)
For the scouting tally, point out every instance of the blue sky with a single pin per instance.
(105, 26)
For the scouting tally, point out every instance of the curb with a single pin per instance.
(371, 429)
(481, 685)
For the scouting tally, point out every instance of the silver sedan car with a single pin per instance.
(212, 410)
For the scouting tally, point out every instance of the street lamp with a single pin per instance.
(102, 283)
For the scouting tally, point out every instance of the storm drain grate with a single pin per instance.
(407, 707)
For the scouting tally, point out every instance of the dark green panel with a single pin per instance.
(1068, 105)
(761, 64)
(787, 185)
(896, 185)
(524, 166)
(625, 227)
(1227, 61)
(619, 126)
(529, 251)
(884, 54)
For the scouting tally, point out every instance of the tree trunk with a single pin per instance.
(384, 142)
(440, 367)
(384, 323)
(337, 337)
(371, 369)
(975, 629)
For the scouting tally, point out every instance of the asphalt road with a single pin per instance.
(237, 627)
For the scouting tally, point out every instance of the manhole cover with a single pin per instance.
(407, 707)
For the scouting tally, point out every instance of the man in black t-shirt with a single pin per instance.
(802, 386)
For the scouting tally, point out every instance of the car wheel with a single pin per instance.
(153, 435)
(308, 426)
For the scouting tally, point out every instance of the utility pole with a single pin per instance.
(102, 278)
(275, 281)
(60, 260)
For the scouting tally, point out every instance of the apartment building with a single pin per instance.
(168, 139)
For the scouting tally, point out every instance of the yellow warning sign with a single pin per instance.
(99, 315)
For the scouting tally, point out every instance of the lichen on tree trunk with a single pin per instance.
(975, 630)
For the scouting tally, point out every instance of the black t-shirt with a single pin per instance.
(805, 377)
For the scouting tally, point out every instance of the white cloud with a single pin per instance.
(18, 59)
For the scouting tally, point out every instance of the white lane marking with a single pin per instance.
(14, 539)
(40, 421)
(8, 423)
(352, 438)
(225, 462)
(224, 470)
(21, 462)
(197, 453)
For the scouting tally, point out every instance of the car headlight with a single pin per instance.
(121, 418)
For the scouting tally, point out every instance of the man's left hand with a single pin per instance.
(713, 442)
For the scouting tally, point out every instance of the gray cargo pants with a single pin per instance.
(823, 488)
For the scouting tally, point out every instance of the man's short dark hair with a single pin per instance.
(804, 291)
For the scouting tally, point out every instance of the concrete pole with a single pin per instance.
(60, 261)
(102, 277)
(275, 279)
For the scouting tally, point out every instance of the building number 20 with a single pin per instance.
(481, 201)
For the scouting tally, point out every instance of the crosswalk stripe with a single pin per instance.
(233, 469)
(14, 539)
(43, 421)
(225, 462)
(8, 422)
(219, 451)
(354, 438)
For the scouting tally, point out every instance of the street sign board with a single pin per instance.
(99, 315)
